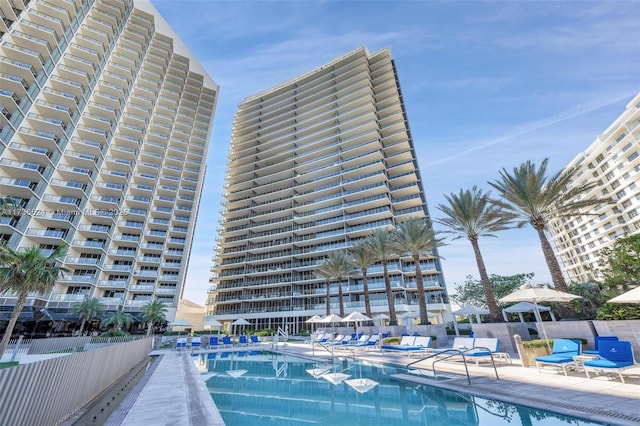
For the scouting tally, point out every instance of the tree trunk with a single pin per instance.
(387, 285)
(565, 309)
(494, 312)
(82, 324)
(422, 299)
(340, 297)
(328, 308)
(552, 262)
(22, 298)
(149, 328)
(365, 289)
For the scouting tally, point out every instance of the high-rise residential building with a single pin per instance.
(106, 118)
(315, 164)
(613, 162)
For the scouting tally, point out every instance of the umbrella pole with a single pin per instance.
(544, 330)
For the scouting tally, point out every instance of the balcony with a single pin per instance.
(114, 283)
(65, 297)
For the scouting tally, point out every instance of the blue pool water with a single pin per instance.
(264, 388)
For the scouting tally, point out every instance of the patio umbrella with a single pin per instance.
(180, 323)
(241, 321)
(470, 310)
(535, 294)
(331, 319)
(356, 317)
(631, 296)
(213, 323)
(380, 318)
(313, 320)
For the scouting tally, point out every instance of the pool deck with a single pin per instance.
(175, 392)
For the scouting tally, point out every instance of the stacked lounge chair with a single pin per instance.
(410, 345)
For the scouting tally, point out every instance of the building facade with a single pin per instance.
(105, 125)
(315, 164)
(613, 162)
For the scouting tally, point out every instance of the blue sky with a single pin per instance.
(486, 85)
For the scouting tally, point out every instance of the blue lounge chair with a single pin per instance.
(615, 356)
(226, 341)
(196, 343)
(370, 341)
(597, 341)
(483, 349)
(242, 341)
(214, 342)
(410, 345)
(255, 340)
(562, 354)
(181, 344)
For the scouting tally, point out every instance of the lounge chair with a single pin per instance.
(597, 341)
(196, 343)
(341, 339)
(562, 354)
(615, 356)
(255, 340)
(214, 342)
(371, 341)
(226, 342)
(242, 341)
(361, 340)
(181, 344)
(410, 345)
(483, 350)
(459, 344)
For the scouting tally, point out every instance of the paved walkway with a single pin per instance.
(175, 393)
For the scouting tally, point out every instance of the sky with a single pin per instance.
(487, 85)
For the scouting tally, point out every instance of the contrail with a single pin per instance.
(535, 125)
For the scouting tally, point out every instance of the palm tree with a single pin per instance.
(118, 319)
(362, 258)
(323, 271)
(381, 244)
(416, 237)
(534, 198)
(23, 272)
(337, 265)
(88, 309)
(152, 313)
(470, 214)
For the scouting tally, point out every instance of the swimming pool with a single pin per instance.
(266, 388)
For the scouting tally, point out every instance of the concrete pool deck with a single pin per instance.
(175, 392)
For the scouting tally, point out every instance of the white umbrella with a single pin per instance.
(181, 323)
(330, 319)
(313, 320)
(214, 323)
(381, 318)
(538, 293)
(631, 296)
(241, 321)
(356, 317)
(470, 310)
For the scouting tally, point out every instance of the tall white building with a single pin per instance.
(105, 125)
(315, 164)
(613, 161)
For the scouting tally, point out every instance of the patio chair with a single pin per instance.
(181, 344)
(255, 340)
(561, 355)
(242, 341)
(615, 356)
(341, 339)
(597, 340)
(226, 342)
(371, 341)
(214, 342)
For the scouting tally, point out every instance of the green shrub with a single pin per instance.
(391, 340)
(264, 332)
(115, 333)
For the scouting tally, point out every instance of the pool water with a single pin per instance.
(264, 388)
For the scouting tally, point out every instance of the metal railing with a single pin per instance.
(452, 352)
(51, 391)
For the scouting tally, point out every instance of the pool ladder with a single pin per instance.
(450, 353)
